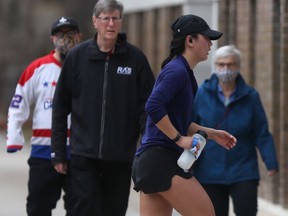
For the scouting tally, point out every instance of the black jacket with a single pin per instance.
(105, 95)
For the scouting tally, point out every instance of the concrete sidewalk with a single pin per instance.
(13, 188)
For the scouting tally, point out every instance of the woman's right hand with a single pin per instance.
(185, 142)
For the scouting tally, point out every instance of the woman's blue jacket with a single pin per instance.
(245, 118)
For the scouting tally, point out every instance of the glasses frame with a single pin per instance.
(228, 65)
(107, 20)
(62, 34)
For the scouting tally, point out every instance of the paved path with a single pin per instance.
(13, 188)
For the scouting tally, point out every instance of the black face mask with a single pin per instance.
(63, 45)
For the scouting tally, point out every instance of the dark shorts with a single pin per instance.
(153, 170)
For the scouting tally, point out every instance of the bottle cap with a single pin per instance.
(202, 133)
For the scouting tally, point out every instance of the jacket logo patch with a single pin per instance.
(124, 70)
(48, 103)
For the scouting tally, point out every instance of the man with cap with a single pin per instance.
(64, 34)
(36, 87)
(163, 185)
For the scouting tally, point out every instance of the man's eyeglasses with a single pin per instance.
(228, 65)
(106, 20)
(61, 34)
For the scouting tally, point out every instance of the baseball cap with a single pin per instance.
(64, 22)
(192, 24)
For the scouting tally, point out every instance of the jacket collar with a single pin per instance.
(94, 52)
(191, 74)
(242, 89)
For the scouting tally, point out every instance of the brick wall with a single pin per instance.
(283, 149)
(150, 31)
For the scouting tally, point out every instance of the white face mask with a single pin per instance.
(226, 75)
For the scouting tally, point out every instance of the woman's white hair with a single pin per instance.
(226, 51)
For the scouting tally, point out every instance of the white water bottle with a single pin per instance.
(188, 157)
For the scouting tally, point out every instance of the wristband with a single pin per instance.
(177, 138)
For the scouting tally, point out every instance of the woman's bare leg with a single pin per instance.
(188, 197)
(154, 205)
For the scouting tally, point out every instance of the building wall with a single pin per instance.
(150, 30)
(283, 148)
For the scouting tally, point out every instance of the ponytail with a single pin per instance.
(168, 59)
(177, 47)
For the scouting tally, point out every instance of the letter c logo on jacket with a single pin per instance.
(124, 70)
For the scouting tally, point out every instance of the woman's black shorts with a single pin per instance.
(154, 168)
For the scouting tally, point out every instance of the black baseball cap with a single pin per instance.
(192, 24)
(64, 22)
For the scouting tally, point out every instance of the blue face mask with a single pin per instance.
(226, 75)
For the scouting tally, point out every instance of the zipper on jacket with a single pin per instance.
(103, 108)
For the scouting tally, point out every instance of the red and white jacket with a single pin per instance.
(35, 88)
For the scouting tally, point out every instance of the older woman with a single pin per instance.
(226, 102)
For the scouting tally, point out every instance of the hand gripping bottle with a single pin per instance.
(188, 157)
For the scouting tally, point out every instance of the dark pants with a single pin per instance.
(243, 194)
(44, 188)
(101, 187)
